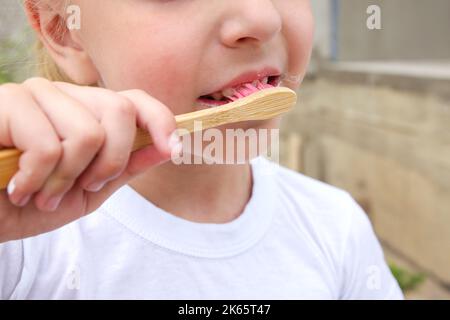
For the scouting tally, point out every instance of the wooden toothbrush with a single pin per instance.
(261, 105)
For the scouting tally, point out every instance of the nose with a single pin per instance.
(253, 22)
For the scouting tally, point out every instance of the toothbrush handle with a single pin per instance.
(9, 158)
(262, 105)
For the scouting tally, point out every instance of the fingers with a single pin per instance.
(154, 116)
(115, 111)
(151, 114)
(119, 123)
(117, 115)
(81, 135)
(40, 144)
(140, 161)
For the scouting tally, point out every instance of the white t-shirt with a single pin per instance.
(297, 238)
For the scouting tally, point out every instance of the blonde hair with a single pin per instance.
(46, 67)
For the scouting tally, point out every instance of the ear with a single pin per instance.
(48, 19)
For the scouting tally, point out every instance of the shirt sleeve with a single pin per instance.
(365, 272)
(11, 264)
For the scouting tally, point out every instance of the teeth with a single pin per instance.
(229, 92)
(217, 96)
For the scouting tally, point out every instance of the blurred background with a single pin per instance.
(373, 118)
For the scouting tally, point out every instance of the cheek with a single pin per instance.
(153, 64)
(168, 75)
(303, 39)
(301, 33)
(142, 54)
(298, 32)
(163, 73)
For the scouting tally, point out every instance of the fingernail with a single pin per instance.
(174, 140)
(11, 186)
(16, 199)
(95, 187)
(176, 150)
(53, 203)
(24, 201)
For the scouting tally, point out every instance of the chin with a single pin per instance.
(237, 143)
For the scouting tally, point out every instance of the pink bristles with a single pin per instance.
(247, 89)
(251, 87)
(260, 85)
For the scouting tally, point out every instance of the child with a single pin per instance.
(85, 217)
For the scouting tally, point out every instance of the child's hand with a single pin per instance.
(74, 141)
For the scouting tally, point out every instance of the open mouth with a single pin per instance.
(238, 92)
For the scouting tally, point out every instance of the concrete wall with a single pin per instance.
(411, 29)
(389, 147)
(322, 15)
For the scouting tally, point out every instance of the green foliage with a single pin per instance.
(5, 76)
(407, 280)
(15, 58)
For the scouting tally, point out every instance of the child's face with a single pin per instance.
(179, 50)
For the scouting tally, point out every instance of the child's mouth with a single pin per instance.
(240, 91)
